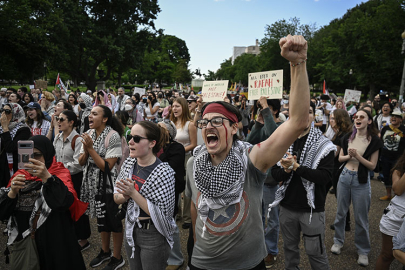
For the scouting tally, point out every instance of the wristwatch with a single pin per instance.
(291, 167)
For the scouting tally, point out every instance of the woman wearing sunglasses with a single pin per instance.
(95, 153)
(67, 145)
(148, 184)
(44, 205)
(13, 129)
(359, 153)
(187, 136)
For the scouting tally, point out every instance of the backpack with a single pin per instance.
(73, 142)
(124, 148)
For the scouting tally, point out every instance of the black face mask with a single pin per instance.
(82, 105)
(160, 96)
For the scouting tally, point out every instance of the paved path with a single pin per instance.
(346, 260)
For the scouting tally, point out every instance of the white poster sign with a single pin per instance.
(267, 83)
(140, 91)
(214, 90)
(352, 95)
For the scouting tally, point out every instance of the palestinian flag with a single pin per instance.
(60, 84)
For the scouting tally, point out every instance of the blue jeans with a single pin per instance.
(349, 189)
(271, 231)
(176, 257)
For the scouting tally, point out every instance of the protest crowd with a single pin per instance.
(236, 172)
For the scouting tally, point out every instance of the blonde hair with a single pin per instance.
(48, 96)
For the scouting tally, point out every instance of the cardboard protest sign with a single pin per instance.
(214, 90)
(140, 91)
(267, 83)
(41, 84)
(352, 95)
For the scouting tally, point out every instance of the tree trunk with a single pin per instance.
(372, 91)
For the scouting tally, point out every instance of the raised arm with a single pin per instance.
(267, 153)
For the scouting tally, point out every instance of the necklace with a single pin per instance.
(138, 170)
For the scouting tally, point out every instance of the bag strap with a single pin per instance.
(34, 224)
(73, 142)
(106, 174)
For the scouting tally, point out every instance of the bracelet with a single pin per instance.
(291, 64)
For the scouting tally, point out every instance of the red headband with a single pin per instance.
(218, 108)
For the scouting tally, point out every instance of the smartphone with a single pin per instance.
(25, 152)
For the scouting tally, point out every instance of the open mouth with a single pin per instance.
(212, 140)
(358, 124)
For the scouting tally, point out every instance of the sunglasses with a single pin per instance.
(7, 111)
(136, 138)
(60, 119)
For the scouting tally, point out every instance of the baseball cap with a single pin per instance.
(34, 105)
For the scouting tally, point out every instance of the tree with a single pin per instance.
(270, 58)
(245, 64)
(114, 33)
(26, 26)
(367, 40)
(168, 54)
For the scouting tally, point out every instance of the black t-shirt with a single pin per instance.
(295, 197)
(140, 174)
(394, 144)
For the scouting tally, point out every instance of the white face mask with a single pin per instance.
(128, 107)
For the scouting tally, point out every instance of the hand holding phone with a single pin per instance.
(25, 152)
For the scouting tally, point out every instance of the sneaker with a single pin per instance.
(363, 260)
(270, 260)
(336, 249)
(101, 257)
(385, 198)
(115, 263)
(86, 246)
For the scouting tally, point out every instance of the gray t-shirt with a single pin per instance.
(234, 237)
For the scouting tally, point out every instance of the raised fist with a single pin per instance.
(294, 48)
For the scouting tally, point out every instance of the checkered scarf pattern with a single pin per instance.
(158, 190)
(316, 147)
(40, 204)
(220, 185)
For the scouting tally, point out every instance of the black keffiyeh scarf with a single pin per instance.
(316, 147)
(40, 204)
(220, 185)
(158, 190)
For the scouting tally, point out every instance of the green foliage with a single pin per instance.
(367, 40)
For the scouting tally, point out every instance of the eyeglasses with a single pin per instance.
(7, 111)
(136, 138)
(361, 117)
(190, 101)
(37, 155)
(215, 122)
(60, 119)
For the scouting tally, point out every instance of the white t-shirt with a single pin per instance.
(147, 110)
(326, 117)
